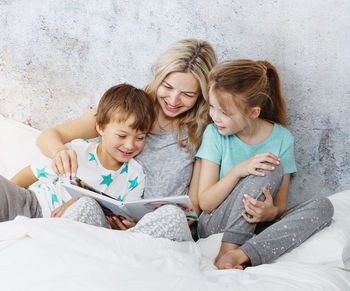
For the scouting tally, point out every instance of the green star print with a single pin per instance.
(92, 157)
(133, 183)
(41, 173)
(106, 179)
(125, 170)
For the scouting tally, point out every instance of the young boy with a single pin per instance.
(124, 117)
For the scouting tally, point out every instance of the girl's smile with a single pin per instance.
(220, 127)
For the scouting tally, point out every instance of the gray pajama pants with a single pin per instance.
(168, 221)
(295, 226)
(16, 200)
(227, 217)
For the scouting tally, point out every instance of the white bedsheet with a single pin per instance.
(57, 254)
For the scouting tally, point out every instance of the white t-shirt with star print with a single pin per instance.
(125, 184)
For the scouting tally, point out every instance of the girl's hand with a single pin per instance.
(65, 163)
(250, 166)
(58, 212)
(259, 211)
(119, 223)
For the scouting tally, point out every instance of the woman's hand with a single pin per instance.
(250, 166)
(65, 163)
(259, 211)
(58, 212)
(119, 223)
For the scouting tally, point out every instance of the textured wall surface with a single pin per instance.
(58, 57)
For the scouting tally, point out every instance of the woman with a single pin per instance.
(179, 92)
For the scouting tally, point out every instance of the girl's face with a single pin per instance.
(227, 123)
(178, 93)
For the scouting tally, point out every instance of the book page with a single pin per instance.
(138, 208)
(109, 204)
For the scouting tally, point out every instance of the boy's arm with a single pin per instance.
(24, 178)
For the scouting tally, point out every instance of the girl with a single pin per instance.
(248, 154)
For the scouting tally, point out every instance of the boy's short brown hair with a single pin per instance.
(123, 101)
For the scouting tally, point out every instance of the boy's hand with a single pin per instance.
(259, 211)
(119, 223)
(58, 212)
(251, 166)
(65, 163)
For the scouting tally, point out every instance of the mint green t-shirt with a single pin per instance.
(228, 151)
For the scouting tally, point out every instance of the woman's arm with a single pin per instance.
(271, 208)
(51, 141)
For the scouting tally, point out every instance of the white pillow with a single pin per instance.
(17, 146)
(331, 246)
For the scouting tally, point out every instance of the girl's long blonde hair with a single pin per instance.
(197, 57)
(249, 84)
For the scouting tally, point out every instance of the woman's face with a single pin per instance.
(178, 93)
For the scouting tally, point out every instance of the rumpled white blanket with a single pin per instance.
(58, 254)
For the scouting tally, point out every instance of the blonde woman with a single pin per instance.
(179, 93)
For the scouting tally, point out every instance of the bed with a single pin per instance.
(58, 254)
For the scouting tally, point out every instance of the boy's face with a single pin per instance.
(120, 142)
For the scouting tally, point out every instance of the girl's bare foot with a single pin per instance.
(225, 247)
(231, 257)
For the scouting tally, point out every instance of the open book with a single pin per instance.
(131, 210)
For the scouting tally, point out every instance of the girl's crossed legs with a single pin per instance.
(239, 243)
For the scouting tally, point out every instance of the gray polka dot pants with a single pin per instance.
(289, 231)
(168, 221)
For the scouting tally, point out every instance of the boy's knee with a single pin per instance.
(5, 184)
(170, 210)
(83, 201)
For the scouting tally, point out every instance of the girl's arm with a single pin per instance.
(211, 191)
(271, 208)
(51, 141)
(193, 190)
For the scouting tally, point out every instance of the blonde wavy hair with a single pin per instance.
(197, 57)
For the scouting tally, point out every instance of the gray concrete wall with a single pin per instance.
(58, 57)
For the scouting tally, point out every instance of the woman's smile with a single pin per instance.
(170, 107)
